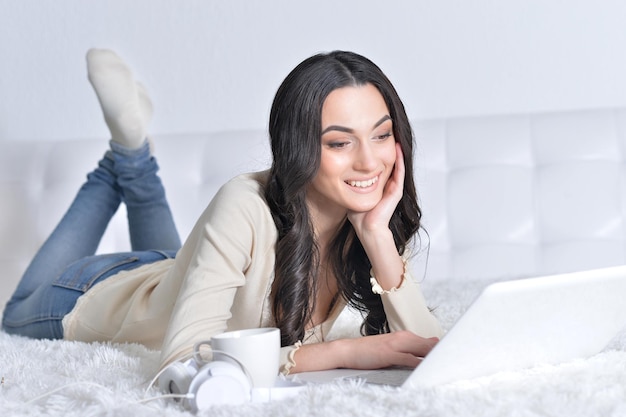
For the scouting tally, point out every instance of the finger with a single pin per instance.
(400, 167)
(407, 360)
(423, 348)
(397, 176)
(415, 345)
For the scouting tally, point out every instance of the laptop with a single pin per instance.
(514, 325)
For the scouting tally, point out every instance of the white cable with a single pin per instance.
(145, 400)
(196, 355)
(153, 380)
(158, 397)
(47, 394)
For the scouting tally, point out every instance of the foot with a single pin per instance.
(125, 103)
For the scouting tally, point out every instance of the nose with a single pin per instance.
(366, 157)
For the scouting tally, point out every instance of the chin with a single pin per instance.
(362, 208)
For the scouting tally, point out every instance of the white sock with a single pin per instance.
(125, 103)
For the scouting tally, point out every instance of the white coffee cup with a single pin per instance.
(256, 350)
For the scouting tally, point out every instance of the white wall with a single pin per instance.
(216, 64)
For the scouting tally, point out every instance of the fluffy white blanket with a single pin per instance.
(60, 378)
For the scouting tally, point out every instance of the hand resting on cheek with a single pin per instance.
(378, 218)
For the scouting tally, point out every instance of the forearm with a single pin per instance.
(319, 357)
(401, 348)
(406, 308)
(387, 265)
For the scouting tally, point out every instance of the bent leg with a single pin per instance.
(127, 109)
(126, 173)
(150, 221)
(78, 233)
(65, 267)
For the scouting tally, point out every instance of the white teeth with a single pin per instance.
(363, 184)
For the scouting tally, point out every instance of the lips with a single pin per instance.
(363, 184)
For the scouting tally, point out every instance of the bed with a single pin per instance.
(504, 197)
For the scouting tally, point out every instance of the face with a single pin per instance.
(358, 152)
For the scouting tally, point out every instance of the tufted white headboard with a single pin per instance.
(503, 196)
(523, 195)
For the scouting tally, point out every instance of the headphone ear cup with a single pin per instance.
(219, 382)
(176, 378)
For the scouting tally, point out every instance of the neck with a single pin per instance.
(325, 224)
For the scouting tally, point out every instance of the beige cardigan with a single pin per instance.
(219, 281)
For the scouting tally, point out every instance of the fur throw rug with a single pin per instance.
(61, 378)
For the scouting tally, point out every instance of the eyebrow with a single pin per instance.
(349, 130)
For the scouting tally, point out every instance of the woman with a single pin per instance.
(326, 226)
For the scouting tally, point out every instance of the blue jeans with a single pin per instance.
(65, 267)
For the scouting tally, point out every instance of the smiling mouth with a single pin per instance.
(363, 184)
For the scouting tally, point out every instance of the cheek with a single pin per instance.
(389, 154)
(332, 165)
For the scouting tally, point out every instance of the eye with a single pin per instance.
(384, 136)
(337, 145)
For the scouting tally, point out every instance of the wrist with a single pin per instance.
(320, 356)
(377, 288)
(341, 350)
(376, 237)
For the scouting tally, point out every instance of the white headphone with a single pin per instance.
(203, 384)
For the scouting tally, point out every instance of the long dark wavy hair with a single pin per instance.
(295, 129)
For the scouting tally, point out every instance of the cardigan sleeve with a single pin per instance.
(406, 309)
(213, 264)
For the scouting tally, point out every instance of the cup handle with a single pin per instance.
(201, 361)
(196, 351)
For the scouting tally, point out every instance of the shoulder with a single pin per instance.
(240, 202)
(246, 190)
(237, 217)
(252, 183)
